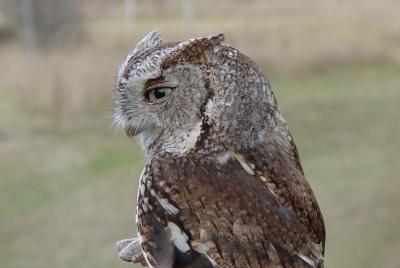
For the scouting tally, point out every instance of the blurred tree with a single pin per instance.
(57, 22)
(129, 11)
(45, 22)
(188, 13)
(28, 25)
(8, 19)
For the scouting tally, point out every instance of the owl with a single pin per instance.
(223, 185)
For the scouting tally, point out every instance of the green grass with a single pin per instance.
(346, 127)
(66, 199)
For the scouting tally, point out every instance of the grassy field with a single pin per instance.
(68, 178)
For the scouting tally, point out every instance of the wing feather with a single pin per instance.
(222, 211)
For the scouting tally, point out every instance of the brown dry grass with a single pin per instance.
(285, 37)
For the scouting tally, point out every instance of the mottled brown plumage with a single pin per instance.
(224, 186)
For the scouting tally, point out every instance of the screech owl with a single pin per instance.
(223, 186)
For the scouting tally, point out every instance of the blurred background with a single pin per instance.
(68, 177)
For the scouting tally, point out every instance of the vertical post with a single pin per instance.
(28, 26)
(129, 12)
(188, 13)
(58, 103)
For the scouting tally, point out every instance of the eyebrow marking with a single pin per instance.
(154, 81)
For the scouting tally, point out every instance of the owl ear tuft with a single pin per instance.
(204, 43)
(196, 50)
(217, 39)
(151, 39)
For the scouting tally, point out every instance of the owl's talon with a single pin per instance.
(129, 250)
(123, 243)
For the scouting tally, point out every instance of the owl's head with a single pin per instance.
(170, 94)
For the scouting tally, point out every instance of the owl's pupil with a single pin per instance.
(159, 94)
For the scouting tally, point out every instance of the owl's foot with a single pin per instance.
(129, 250)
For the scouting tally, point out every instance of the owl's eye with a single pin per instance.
(157, 94)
